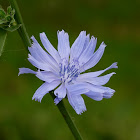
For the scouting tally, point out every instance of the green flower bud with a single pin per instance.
(7, 20)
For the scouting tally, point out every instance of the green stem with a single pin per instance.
(26, 40)
(22, 30)
(68, 119)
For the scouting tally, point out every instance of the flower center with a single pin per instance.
(69, 71)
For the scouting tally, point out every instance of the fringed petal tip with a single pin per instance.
(108, 95)
(114, 65)
(33, 38)
(88, 35)
(81, 111)
(43, 34)
(82, 33)
(62, 31)
(103, 45)
(57, 100)
(93, 38)
(29, 55)
(37, 99)
(20, 71)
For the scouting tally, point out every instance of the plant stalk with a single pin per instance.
(21, 30)
(67, 118)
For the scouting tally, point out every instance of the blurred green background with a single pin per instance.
(117, 23)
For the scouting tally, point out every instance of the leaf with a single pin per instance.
(3, 35)
(2, 13)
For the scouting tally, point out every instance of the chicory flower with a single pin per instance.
(62, 70)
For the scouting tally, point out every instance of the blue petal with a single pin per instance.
(100, 89)
(88, 52)
(43, 89)
(48, 46)
(98, 96)
(106, 92)
(42, 56)
(102, 80)
(94, 59)
(60, 92)
(86, 41)
(47, 76)
(25, 70)
(77, 103)
(63, 45)
(95, 92)
(34, 53)
(40, 65)
(108, 95)
(95, 95)
(86, 87)
(57, 100)
(77, 46)
(97, 73)
(77, 88)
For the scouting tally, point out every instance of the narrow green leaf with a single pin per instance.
(3, 35)
(2, 13)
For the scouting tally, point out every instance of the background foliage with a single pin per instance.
(114, 22)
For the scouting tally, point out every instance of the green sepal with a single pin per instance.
(3, 21)
(8, 18)
(9, 9)
(2, 13)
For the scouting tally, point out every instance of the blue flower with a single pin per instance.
(62, 70)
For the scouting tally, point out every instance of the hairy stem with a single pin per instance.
(22, 30)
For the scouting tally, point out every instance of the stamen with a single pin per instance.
(69, 71)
